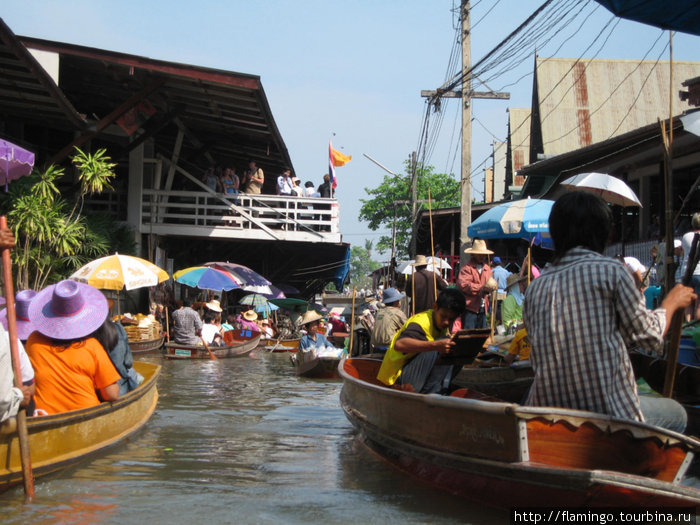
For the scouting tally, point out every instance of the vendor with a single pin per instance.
(312, 339)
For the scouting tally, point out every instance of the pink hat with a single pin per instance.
(68, 310)
(24, 325)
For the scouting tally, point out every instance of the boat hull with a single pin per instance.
(282, 345)
(145, 347)
(318, 367)
(479, 449)
(182, 351)
(60, 440)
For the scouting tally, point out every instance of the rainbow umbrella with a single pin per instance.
(206, 278)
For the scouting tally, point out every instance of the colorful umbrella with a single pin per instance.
(15, 162)
(206, 278)
(248, 279)
(611, 189)
(254, 299)
(289, 303)
(116, 272)
(523, 219)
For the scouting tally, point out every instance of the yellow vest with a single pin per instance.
(394, 361)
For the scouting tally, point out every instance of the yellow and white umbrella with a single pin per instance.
(116, 272)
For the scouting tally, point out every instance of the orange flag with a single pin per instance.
(340, 159)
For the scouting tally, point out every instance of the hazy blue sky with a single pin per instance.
(353, 69)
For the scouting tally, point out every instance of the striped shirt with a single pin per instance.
(582, 316)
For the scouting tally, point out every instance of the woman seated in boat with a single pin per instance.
(71, 367)
(519, 347)
(247, 320)
(411, 363)
(24, 328)
(115, 341)
(313, 339)
(212, 334)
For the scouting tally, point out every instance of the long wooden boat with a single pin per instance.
(282, 345)
(504, 454)
(508, 383)
(240, 348)
(60, 440)
(144, 347)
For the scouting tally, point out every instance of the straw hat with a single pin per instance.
(309, 317)
(478, 247)
(24, 325)
(68, 310)
(214, 306)
(514, 278)
(420, 260)
(250, 315)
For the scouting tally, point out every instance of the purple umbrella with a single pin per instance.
(15, 162)
(249, 280)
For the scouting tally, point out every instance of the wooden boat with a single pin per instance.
(60, 440)
(240, 347)
(508, 383)
(282, 345)
(323, 367)
(144, 347)
(503, 454)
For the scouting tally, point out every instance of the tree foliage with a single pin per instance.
(380, 209)
(361, 266)
(54, 237)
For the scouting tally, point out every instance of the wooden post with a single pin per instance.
(352, 322)
(22, 433)
(432, 245)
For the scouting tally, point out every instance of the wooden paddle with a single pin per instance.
(352, 322)
(211, 354)
(167, 323)
(677, 322)
(22, 433)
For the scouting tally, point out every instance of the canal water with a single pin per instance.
(241, 441)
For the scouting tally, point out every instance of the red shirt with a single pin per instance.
(472, 285)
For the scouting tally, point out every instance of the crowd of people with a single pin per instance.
(225, 180)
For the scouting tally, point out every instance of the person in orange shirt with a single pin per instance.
(70, 365)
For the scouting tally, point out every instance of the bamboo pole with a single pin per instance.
(352, 322)
(22, 433)
(432, 245)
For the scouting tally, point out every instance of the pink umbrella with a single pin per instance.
(15, 162)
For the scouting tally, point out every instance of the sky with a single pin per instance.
(348, 71)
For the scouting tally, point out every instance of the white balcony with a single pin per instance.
(253, 217)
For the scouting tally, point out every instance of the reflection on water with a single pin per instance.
(241, 441)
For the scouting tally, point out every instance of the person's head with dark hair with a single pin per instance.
(107, 335)
(579, 219)
(308, 184)
(450, 304)
(231, 319)
(186, 302)
(209, 317)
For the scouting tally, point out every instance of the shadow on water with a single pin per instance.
(241, 441)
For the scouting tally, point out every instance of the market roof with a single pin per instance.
(225, 115)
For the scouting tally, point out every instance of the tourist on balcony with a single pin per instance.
(255, 177)
(297, 190)
(229, 182)
(210, 179)
(284, 183)
(309, 190)
(324, 189)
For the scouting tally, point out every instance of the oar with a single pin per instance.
(167, 323)
(352, 321)
(677, 322)
(211, 354)
(22, 432)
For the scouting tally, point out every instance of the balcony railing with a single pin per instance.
(201, 213)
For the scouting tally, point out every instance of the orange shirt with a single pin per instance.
(66, 378)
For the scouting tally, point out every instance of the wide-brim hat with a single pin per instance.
(310, 316)
(391, 295)
(24, 325)
(250, 315)
(68, 310)
(214, 306)
(478, 247)
(420, 261)
(513, 279)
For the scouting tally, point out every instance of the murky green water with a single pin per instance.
(241, 441)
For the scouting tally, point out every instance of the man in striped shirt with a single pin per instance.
(584, 313)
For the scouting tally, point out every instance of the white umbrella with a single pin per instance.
(407, 267)
(611, 189)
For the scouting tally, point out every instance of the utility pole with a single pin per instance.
(466, 94)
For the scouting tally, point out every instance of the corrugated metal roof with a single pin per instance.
(589, 101)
